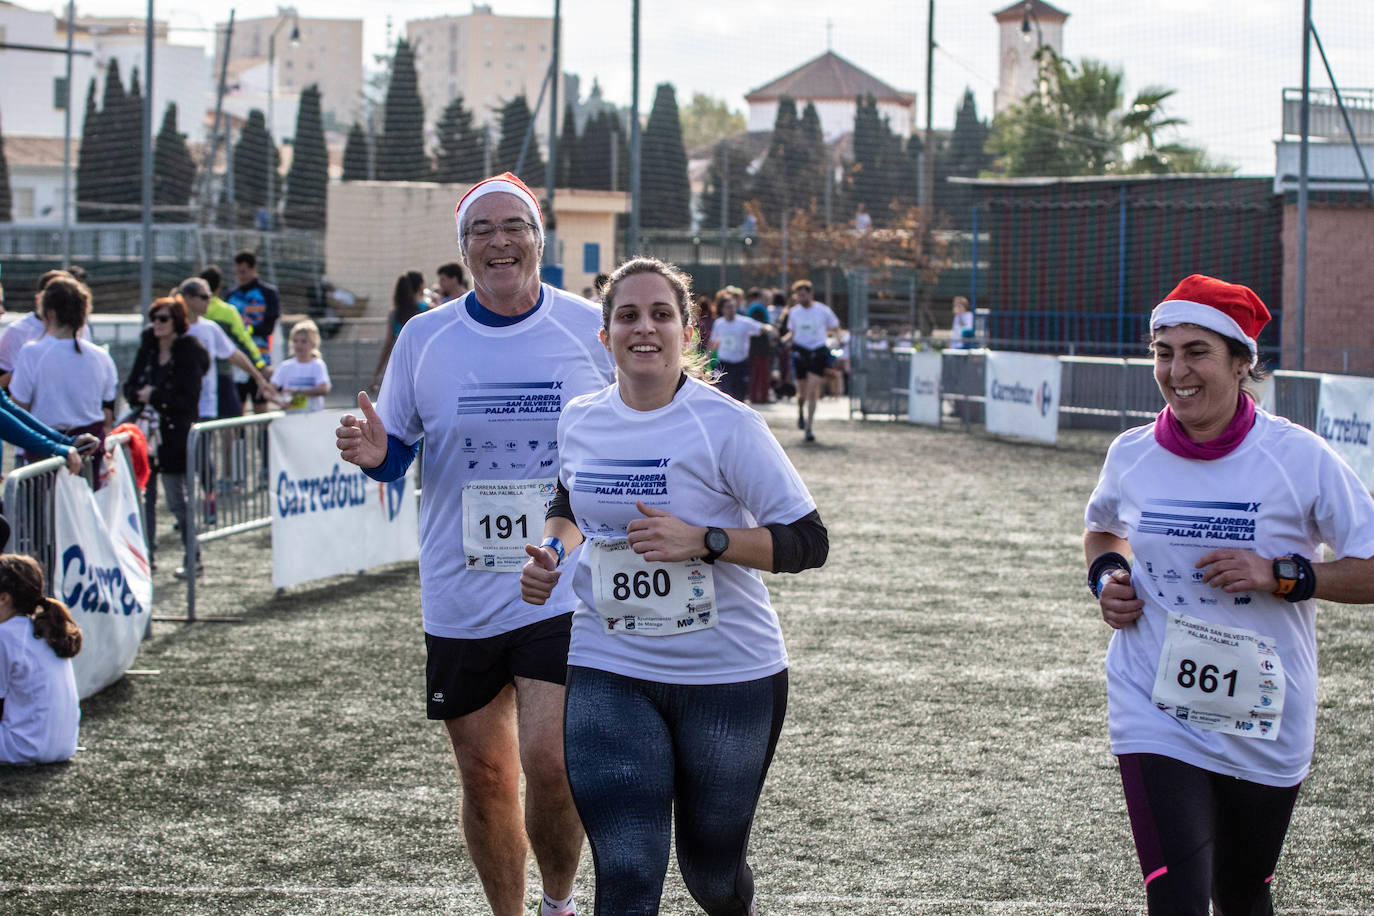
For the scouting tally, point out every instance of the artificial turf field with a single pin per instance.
(945, 749)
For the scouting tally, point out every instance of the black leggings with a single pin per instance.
(636, 750)
(1203, 836)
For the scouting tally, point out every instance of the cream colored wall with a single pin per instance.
(377, 230)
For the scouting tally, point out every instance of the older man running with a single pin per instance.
(482, 380)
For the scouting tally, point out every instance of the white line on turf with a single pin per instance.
(1057, 906)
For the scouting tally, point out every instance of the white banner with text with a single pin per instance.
(1345, 410)
(923, 388)
(328, 517)
(102, 572)
(1022, 393)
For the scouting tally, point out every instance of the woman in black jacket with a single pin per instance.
(164, 386)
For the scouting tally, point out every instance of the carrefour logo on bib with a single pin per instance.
(338, 489)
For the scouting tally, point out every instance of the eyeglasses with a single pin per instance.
(513, 228)
(192, 294)
(160, 317)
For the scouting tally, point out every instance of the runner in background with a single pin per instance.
(677, 677)
(1212, 670)
(483, 380)
(808, 322)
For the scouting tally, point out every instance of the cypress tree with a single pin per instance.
(129, 153)
(667, 192)
(252, 154)
(307, 183)
(462, 147)
(964, 156)
(103, 152)
(355, 154)
(174, 171)
(515, 121)
(734, 161)
(567, 149)
(878, 171)
(812, 160)
(6, 199)
(401, 154)
(88, 158)
(591, 158)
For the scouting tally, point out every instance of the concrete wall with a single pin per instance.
(377, 230)
(1340, 288)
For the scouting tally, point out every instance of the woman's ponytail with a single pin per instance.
(22, 579)
(53, 622)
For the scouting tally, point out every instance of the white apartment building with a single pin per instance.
(327, 52)
(485, 58)
(32, 83)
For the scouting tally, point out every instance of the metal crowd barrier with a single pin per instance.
(1105, 393)
(227, 486)
(30, 507)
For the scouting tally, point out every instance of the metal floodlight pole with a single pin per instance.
(634, 132)
(1300, 297)
(67, 144)
(551, 167)
(208, 201)
(271, 98)
(145, 279)
(928, 154)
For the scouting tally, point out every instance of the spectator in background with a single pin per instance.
(260, 307)
(164, 386)
(406, 302)
(303, 380)
(452, 282)
(863, 221)
(40, 713)
(731, 338)
(598, 287)
(760, 350)
(705, 318)
(229, 404)
(195, 296)
(67, 386)
(961, 328)
(28, 329)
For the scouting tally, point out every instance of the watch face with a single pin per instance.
(717, 540)
(1285, 569)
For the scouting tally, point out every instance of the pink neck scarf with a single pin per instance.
(1169, 433)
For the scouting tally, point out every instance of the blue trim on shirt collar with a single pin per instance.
(483, 315)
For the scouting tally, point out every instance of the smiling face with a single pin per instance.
(504, 265)
(1199, 378)
(646, 334)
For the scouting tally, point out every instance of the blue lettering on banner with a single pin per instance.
(1042, 398)
(95, 586)
(1344, 430)
(335, 490)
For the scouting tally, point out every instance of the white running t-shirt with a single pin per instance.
(42, 713)
(293, 373)
(809, 325)
(732, 337)
(486, 400)
(709, 460)
(65, 389)
(1282, 491)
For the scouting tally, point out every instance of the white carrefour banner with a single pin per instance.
(1022, 395)
(923, 388)
(328, 517)
(102, 572)
(1345, 410)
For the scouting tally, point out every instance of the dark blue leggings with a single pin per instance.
(1203, 836)
(638, 750)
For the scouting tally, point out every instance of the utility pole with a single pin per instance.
(634, 134)
(145, 277)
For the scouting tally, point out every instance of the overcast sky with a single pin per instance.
(1228, 59)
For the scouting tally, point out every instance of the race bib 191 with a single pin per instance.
(639, 598)
(1220, 678)
(500, 517)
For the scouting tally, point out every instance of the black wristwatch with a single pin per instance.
(1286, 573)
(717, 542)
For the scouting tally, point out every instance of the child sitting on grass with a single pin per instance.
(39, 708)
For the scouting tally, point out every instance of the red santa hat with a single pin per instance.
(1230, 309)
(505, 183)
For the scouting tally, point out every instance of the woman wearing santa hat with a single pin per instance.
(1211, 673)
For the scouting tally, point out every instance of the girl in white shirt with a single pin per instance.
(677, 677)
(304, 380)
(39, 709)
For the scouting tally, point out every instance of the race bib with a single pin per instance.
(1220, 678)
(639, 598)
(500, 517)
